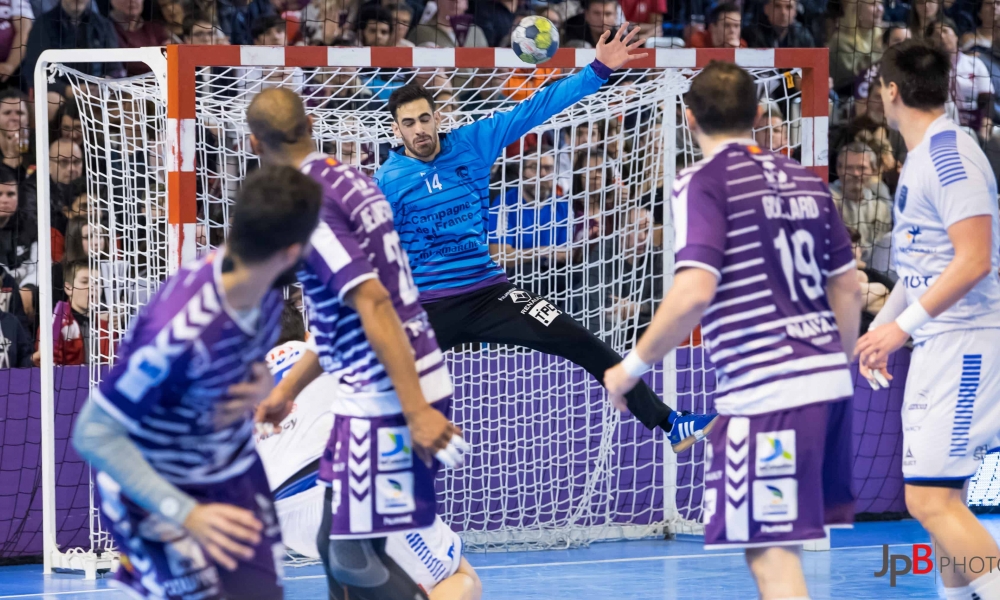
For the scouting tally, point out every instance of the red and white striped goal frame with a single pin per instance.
(182, 62)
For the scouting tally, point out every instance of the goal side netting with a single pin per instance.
(579, 213)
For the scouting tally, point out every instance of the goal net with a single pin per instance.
(580, 214)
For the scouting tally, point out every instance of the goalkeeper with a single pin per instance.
(438, 186)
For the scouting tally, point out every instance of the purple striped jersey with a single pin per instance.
(355, 242)
(767, 228)
(180, 355)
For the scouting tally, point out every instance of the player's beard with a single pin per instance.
(425, 150)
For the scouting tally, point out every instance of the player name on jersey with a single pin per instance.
(768, 229)
(355, 242)
(181, 355)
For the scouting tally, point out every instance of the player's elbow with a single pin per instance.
(980, 267)
(845, 289)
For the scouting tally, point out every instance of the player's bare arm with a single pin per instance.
(844, 294)
(279, 402)
(972, 239)
(432, 432)
(675, 318)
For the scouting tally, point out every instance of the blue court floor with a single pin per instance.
(643, 570)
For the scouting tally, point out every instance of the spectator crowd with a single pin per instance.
(555, 194)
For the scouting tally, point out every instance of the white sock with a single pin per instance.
(958, 593)
(987, 587)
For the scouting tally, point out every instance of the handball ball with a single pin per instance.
(535, 40)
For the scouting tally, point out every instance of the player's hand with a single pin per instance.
(619, 50)
(273, 410)
(244, 397)
(434, 436)
(228, 533)
(878, 377)
(874, 347)
(618, 383)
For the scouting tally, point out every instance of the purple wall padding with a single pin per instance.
(877, 440)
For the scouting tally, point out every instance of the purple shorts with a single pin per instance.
(777, 478)
(159, 559)
(379, 487)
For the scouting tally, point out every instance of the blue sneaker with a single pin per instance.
(688, 428)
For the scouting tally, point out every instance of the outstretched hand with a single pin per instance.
(619, 50)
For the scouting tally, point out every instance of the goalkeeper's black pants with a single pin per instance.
(506, 314)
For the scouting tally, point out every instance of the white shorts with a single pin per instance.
(427, 555)
(951, 406)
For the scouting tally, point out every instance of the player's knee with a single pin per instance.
(926, 503)
(477, 586)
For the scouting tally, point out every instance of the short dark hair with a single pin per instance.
(944, 21)
(920, 71)
(262, 25)
(293, 326)
(71, 268)
(198, 17)
(410, 92)
(8, 176)
(374, 12)
(278, 206)
(889, 29)
(13, 94)
(723, 98)
(721, 9)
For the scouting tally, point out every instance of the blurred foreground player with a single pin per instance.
(764, 261)
(291, 455)
(393, 390)
(170, 427)
(946, 239)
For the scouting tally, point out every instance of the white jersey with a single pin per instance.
(946, 179)
(302, 435)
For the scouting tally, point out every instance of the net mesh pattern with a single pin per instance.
(553, 465)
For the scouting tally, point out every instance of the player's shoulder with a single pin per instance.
(950, 154)
(186, 304)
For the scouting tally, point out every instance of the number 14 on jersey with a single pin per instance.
(433, 184)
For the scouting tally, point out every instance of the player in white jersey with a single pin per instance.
(763, 260)
(291, 453)
(947, 299)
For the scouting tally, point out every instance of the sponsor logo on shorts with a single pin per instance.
(713, 475)
(395, 450)
(981, 451)
(786, 528)
(908, 459)
(516, 296)
(775, 453)
(394, 493)
(916, 406)
(404, 520)
(776, 500)
(543, 311)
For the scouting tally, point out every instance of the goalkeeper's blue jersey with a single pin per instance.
(441, 207)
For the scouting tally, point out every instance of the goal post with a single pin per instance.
(554, 465)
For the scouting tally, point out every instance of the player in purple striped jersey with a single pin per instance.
(763, 260)
(169, 428)
(393, 394)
